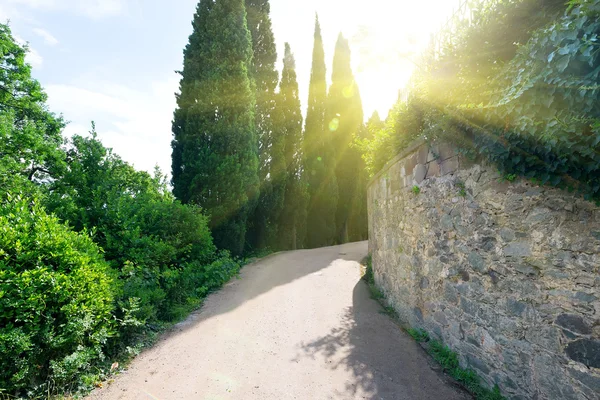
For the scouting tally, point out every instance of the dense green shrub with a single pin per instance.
(56, 299)
(95, 257)
(148, 236)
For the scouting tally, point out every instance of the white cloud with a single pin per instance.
(33, 57)
(136, 124)
(49, 39)
(89, 8)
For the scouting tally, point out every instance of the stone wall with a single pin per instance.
(506, 274)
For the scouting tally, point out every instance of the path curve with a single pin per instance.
(296, 325)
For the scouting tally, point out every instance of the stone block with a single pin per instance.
(584, 297)
(574, 323)
(446, 151)
(419, 173)
(423, 154)
(585, 351)
(440, 317)
(477, 364)
(450, 293)
(515, 308)
(587, 378)
(545, 336)
(433, 169)
(477, 262)
(409, 163)
(507, 234)
(517, 249)
(449, 166)
(526, 269)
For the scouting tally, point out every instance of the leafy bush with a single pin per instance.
(56, 299)
(148, 236)
(119, 260)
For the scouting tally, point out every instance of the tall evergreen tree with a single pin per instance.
(194, 56)
(319, 162)
(264, 73)
(292, 222)
(344, 117)
(215, 147)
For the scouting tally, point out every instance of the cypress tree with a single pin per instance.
(264, 73)
(215, 148)
(344, 118)
(194, 56)
(319, 162)
(292, 221)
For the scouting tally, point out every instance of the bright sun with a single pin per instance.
(384, 44)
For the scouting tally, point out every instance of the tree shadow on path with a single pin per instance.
(385, 363)
(266, 274)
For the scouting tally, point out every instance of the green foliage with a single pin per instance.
(368, 275)
(461, 189)
(56, 300)
(291, 226)
(376, 293)
(151, 239)
(271, 143)
(469, 378)
(215, 161)
(517, 85)
(388, 310)
(420, 335)
(118, 260)
(319, 161)
(544, 121)
(386, 139)
(29, 134)
(510, 177)
(416, 190)
(344, 120)
(369, 278)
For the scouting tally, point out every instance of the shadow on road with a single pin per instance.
(385, 363)
(266, 274)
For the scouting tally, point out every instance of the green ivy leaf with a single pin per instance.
(563, 63)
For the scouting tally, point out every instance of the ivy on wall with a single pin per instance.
(518, 85)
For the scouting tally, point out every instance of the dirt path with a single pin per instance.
(297, 325)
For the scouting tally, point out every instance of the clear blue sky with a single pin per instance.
(113, 61)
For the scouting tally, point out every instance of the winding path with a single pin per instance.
(296, 325)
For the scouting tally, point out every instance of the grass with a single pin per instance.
(448, 359)
(420, 335)
(461, 189)
(441, 353)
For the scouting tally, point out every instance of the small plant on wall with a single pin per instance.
(461, 189)
(416, 190)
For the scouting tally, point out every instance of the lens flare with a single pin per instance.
(334, 124)
(348, 91)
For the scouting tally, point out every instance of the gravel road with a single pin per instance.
(295, 325)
